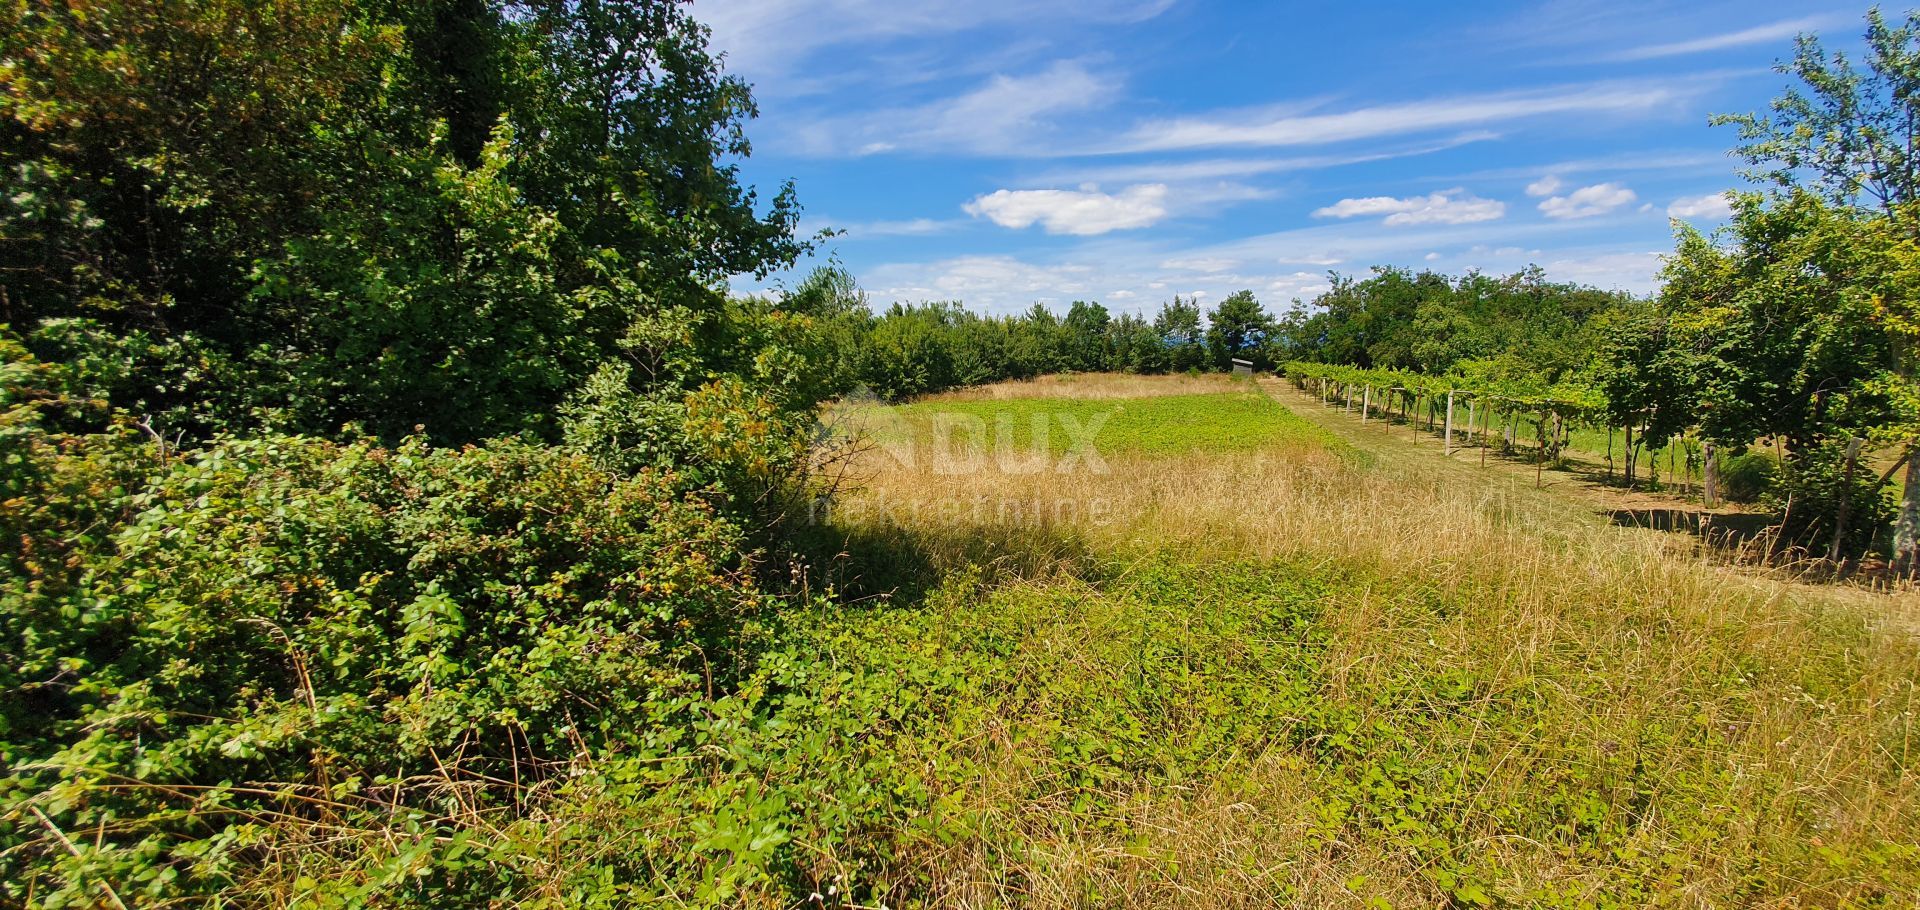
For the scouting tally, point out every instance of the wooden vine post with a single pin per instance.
(1446, 447)
(1366, 401)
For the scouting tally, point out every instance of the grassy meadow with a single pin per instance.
(1231, 420)
(1264, 670)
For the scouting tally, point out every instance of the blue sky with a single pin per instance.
(1002, 152)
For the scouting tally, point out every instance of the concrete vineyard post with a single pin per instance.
(1485, 432)
(1709, 477)
(1446, 447)
(1906, 535)
(1609, 453)
(1366, 401)
(1846, 499)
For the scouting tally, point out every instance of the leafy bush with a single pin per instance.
(1748, 476)
(1808, 499)
(290, 631)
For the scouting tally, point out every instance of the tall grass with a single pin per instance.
(1509, 698)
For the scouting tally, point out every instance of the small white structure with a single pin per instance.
(1242, 368)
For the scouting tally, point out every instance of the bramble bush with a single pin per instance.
(206, 651)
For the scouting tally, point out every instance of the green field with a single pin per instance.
(1162, 425)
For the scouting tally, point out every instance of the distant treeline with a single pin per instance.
(1520, 325)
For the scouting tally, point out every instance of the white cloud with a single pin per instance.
(1455, 206)
(1546, 186)
(1588, 201)
(1710, 207)
(768, 40)
(1003, 115)
(1081, 212)
(1220, 168)
(1201, 264)
(1142, 265)
(994, 283)
(1298, 285)
(911, 227)
(1759, 34)
(1432, 257)
(1282, 127)
(1637, 272)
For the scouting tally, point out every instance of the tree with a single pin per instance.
(1847, 136)
(1850, 135)
(1649, 377)
(1239, 327)
(1085, 340)
(1788, 326)
(1178, 324)
(308, 214)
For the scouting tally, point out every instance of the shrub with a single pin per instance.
(285, 632)
(1748, 476)
(1808, 497)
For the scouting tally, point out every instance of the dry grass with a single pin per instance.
(1809, 693)
(1093, 386)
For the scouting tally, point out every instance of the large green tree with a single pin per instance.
(308, 214)
(1843, 136)
(1239, 328)
(1178, 324)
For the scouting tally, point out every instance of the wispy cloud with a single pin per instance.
(1455, 206)
(1005, 114)
(909, 227)
(768, 40)
(1632, 162)
(1224, 168)
(1759, 34)
(1137, 273)
(1283, 127)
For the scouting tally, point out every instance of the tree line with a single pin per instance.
(915, 348)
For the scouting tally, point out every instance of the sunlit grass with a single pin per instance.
(1481, 693)
(1234, 420)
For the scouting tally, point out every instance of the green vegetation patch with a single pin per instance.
(1035, 725)
(1164, 425)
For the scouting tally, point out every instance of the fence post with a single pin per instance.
(1366, 401)
(1446, 448)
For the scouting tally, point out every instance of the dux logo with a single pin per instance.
(963, 443)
